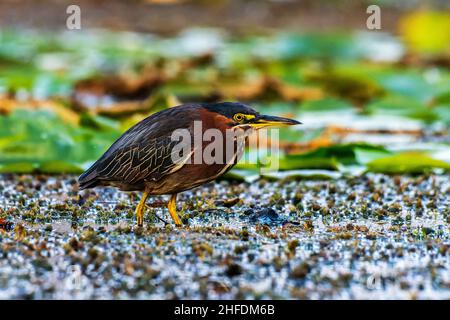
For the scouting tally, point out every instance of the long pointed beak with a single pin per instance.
(264, 121)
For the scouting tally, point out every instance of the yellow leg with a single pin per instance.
(140, 209)
(172, 206)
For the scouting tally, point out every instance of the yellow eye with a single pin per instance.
(238, 117)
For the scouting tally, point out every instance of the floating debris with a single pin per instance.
(373, 236)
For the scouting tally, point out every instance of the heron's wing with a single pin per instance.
(141, 162)
(144, 152)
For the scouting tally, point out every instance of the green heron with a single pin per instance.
(142, 158)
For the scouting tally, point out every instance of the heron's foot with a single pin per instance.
(140, 209)
(172, 206)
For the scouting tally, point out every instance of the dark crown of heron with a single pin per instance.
(232, 110)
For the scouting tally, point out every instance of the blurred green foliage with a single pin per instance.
(352, 79)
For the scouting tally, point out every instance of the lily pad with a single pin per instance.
(23, 167)
(331, 157)
(408, 162)
(58, 166)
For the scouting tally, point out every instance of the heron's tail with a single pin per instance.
(89, 178)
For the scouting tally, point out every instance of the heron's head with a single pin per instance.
(241, 115)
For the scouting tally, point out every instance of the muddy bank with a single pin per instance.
(375, 236)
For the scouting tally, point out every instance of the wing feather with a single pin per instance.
(134, 166)
(143, 153)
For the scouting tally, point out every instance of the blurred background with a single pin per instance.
(376, 100)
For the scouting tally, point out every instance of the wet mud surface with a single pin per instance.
(374, 236)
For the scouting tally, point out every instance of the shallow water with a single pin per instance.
(374, 236)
